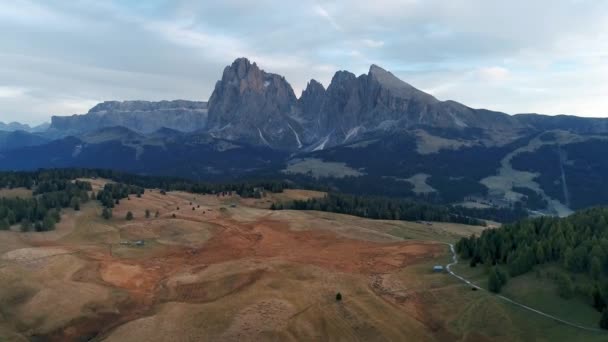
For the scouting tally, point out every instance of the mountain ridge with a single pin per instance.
(251, 105)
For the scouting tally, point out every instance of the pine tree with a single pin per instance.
(26, 225)
(494, 281)
(48, 223)
(129, 216)
(595, 268)
(106, 213)
(147, 213)
(565, 289)
(75, 203)
(598, 300)
(604, 319)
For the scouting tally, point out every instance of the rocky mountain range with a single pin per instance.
(260, 108)
(140, 116)
(372, 134)
(16, 126)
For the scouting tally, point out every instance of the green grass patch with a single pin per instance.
(540, 292)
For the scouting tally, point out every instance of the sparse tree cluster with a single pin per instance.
(42, 211)
(112, 193)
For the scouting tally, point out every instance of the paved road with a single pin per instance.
(468, 282)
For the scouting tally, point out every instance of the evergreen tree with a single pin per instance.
(595, 268)
(129, 216)
(604, 319)
(106, 213)
(147, 213)
(494, 281)
(598, 300)
(565, 289)
(48, 223)
(26, 225)
(75, 203)
(4, 225)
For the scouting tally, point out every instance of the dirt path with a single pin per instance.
(523, 306)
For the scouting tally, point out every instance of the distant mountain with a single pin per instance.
(371, 134)
(253, 106)
(195, 155)
(140, 116)
(16, 126)
(17, 139)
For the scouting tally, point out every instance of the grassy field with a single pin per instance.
(223, 272)
(16, 192)
(536, 290)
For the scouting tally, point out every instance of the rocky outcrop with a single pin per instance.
(254, 106)
(140, 116)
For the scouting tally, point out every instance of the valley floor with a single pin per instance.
(226, 268)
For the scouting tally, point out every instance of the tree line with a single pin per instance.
(380, 208)
(55, 189)
(246, 188)
(577, 245)
(42, 212)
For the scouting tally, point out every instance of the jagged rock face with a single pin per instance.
(140, 116)
(311, 100)
(379, 101)
(251, 105)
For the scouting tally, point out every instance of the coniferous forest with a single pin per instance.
(381, 208)
(578, 245)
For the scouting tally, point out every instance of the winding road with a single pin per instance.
(468, 282)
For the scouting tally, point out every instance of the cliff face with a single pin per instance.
(251, 105)
(140, 116)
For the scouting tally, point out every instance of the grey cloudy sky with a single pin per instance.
(62, 57)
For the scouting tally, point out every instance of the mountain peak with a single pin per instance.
(375, 69)
(398, 87)
(313, 86)
(241, 67)
(251, 104)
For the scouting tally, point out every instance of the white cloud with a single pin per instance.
(11, 92)
(493, 74)
(373, 43)
(322, 12)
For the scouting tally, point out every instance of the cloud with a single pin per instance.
(373, 43)
(493, 74)
(11, 92)
(59, 57)
(322, 12)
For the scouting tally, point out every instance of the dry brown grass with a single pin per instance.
(221, 273)
(16, 192)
